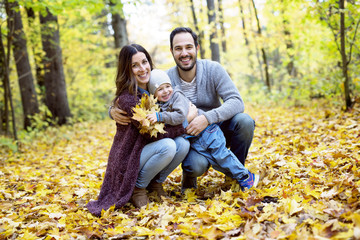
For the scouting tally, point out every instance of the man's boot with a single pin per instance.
(158, 188)
(139, 197)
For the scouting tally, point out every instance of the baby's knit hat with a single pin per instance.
(157, 78)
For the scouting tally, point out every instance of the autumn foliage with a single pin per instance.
(146, 106)
(308, 159)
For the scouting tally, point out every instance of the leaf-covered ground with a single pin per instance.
(308, 159)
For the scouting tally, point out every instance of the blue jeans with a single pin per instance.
(211, 144)
(238, 132)
(158, 159)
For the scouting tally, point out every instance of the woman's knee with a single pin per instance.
(167, 147)
(182, 145)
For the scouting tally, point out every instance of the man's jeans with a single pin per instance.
(158, 159)
(238, 131)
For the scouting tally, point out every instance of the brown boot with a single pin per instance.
(139, 197)
(158, 188)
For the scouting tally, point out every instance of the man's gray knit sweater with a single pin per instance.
(213, 83)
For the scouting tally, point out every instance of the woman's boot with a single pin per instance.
(139, 197)
(158, 188)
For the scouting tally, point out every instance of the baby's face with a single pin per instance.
(164, 92)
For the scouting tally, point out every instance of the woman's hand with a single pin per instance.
(120, 116)
(152, 118)
(193, 112)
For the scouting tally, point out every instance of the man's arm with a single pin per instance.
(119, 115)
(227, 91)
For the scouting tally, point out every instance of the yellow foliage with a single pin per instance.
(146, 106)
(309, 189)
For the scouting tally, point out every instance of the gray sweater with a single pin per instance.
(175, 110)
(213, 83)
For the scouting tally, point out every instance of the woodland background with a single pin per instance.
(58, 57)
(296, 65)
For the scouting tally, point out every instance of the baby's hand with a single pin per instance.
(152, 118)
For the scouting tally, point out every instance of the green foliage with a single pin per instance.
(8, 144)
(89, 59)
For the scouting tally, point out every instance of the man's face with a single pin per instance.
(184, 51)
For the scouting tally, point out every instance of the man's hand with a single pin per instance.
(120, 116)
(193, 112)
(152, 118)
(197, 125)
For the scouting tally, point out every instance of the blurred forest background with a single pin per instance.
(58, 58)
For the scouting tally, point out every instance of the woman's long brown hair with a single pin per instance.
(124, 77)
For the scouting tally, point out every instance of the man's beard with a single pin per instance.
(189, 68)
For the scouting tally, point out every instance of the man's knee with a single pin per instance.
(194, 164)
(243, 121)
(239, 129)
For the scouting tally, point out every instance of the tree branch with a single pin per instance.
(331, 28)
(353, 41)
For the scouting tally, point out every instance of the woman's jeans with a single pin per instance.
(160, 158)
(238, 131)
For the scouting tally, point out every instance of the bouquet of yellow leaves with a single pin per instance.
(146, 106)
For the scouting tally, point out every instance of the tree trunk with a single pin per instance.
(36, 49)
(197, 29)
(4, 76)
(4, 61)
(266, 66)
(55, 87)
(222, 27)
(348, 102)
(214, 46)
(246, 37)
(118, 24)
(291, 69)
(26, 81)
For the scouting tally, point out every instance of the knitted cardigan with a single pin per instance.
(123, 162)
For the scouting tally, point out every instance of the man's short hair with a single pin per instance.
(185, 30)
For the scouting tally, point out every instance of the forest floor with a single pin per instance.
(308, 159)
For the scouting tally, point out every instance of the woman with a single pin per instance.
(136, 162)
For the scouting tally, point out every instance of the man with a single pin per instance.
(204, 82)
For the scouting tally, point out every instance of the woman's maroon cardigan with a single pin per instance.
(123, 162)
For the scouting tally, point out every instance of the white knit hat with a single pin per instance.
(157, 78)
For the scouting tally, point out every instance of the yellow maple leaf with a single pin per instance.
(291, 206)
(147, 105)
(28, 235)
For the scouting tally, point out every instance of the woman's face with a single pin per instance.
(141, 69)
